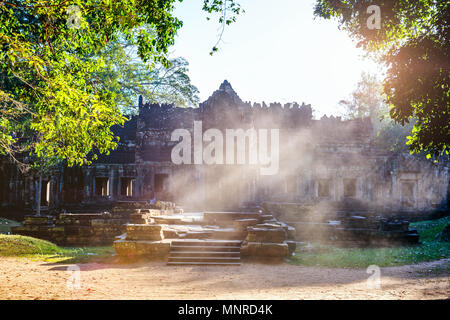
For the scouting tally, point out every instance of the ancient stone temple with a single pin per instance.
(327, 164)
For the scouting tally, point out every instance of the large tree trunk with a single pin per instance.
(38, 200)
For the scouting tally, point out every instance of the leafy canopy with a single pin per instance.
(128, 76)
(413, 42)
(51, 103)
(367, 101)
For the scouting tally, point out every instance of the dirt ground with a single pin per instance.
(25, 279)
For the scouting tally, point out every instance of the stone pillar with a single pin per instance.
(87, 184)
(139, 182)
(112, 183)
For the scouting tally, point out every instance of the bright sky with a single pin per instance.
(275, 52)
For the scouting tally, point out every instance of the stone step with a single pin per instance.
(204, 263)
(209, 242)
(228, 235)
(224, 216)
(205, 254)
(205, 248)
(204, 259)
(198, 235)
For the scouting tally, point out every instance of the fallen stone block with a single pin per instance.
(292, 245)
(394, 225)
(291, 232)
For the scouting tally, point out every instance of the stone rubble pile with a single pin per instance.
(92, 229)
(269, 239)
(144, 240)
(261, 235)
(358, 231)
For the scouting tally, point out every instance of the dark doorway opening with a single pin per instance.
(349, 187)
(126, 187)
(161, 182)
(323, 189)
(102, 187)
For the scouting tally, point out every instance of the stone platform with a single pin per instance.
(210, 238)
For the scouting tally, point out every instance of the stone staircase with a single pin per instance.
(205, 252)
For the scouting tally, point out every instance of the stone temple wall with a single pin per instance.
(325, 164)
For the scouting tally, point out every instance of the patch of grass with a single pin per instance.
(429, 229)
(37, 249)
(329, 256)
(6, 224)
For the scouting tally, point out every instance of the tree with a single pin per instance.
(413, 42)
(367, 101)
(128, 76)
(49, 56)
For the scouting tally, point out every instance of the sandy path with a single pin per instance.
(24, 279)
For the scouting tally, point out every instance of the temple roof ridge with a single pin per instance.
(226, 92)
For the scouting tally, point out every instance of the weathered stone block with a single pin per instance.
(266, 217)
(400, 225)
(124, 247)
(242, 224)
(38, 220)
(170, 234)
(168, 220)
(291, 231)
(139, 218)
(155, 212)
(292, 245)
(107, 222)
(359, 222)
(271, 250)
(217, 217)
(266, 235)
(154, 249)
(178, 210)
(144, 232)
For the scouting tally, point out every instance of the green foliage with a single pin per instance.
(334, 257)
(51, 103)
(366, 100)
(37, 249)
(428, 230)
(392, 136)
(127, 76)
(414, 43)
